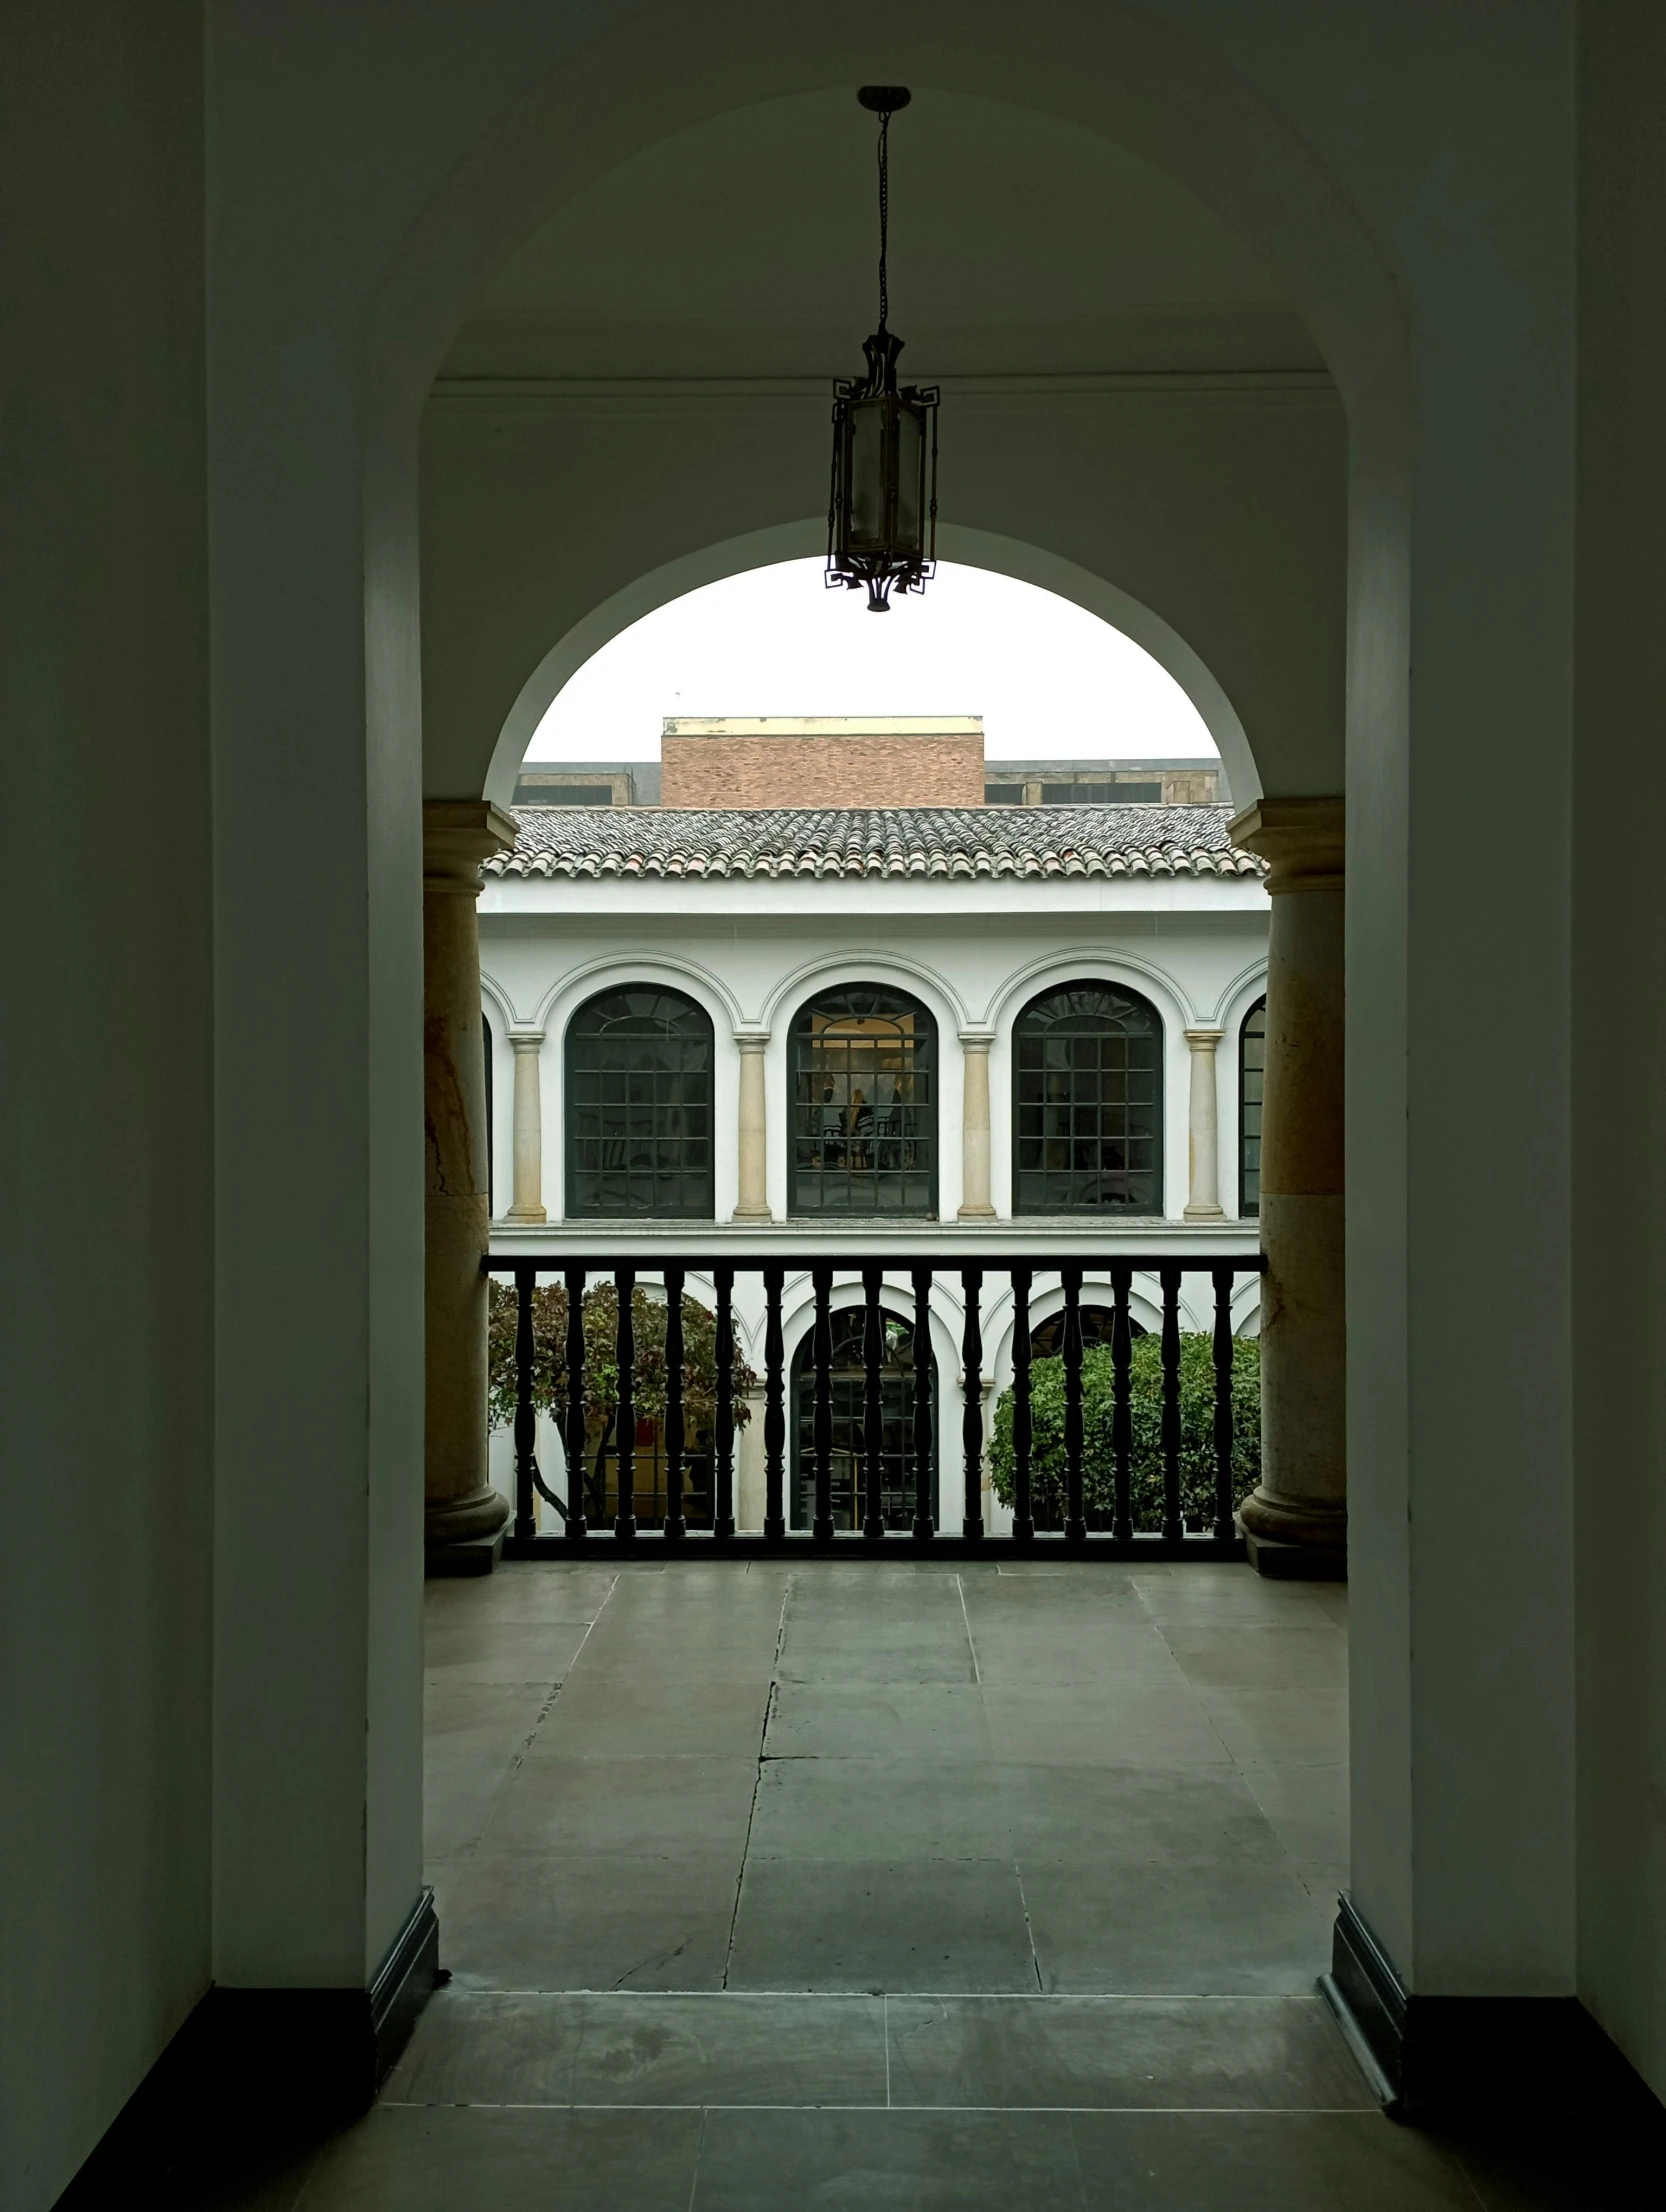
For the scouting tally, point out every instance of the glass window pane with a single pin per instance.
(864, 1124)
(1088, 1123)
(639, 1076)
(1252, 1063)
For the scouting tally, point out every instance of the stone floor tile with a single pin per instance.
(527, 1921)
(1281, 1728)
(886, 2162)
(463, 1716)
(874, 1809)
(1065, 1652)
(602, 1715)
(1262, 2162)
(735, 2048)
(1186, 2053)
(425, 2159)
(522, 1591)
(902, 1721)
(1129, 1722)
(483, 1650)
(1191, 1601)
(639, 1807)
(1108, 1816)
(1252, 1655)
(677, 1658)
(817, 1653)
(915, 1924)
(1204, 1928)
(1307, 1809)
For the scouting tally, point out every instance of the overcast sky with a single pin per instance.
(1049, 679)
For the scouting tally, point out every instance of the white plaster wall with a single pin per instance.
(754, 952)
(106, 1344)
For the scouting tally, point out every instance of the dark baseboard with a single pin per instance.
(288, 2060)
(602, 1548)
(1452, 2057)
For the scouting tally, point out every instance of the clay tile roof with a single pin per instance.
(907, 843)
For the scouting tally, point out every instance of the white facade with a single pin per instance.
(752, 951)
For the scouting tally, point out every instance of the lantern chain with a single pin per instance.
(884, 213)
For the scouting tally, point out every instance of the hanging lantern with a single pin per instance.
(882, 516)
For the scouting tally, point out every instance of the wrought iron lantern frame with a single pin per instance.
(882, 503)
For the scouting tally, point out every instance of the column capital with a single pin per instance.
(976, 1038)
(457, 835)
(1302, 840)
(526, 1040)
(752, 1036)
(1204, 1040)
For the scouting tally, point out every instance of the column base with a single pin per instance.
(537, 1215)
(476, 1555)
(975, 1213)
(1203, 1213)
(1296, 1562)
(751, 1213)
(1288, 1542)
(478, 1513)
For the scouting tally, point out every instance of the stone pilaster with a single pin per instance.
(752, 1191)
(1297, 1518)
(975, 1203)
(1203, 1201)
(461, 1507)
(528, 1045)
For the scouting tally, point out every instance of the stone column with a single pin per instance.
(1297, 1518)
(1203, 1129)
(529, 1127)
(752, 1195)
(974, 1126)
(463, 1512)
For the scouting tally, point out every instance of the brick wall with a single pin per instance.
(865, 770)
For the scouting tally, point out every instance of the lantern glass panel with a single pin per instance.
(867, 475)
(911, 465)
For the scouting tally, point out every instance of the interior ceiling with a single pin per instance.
(746, 246)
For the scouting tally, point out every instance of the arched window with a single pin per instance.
(1098, 1327)
(491, 1148)
(639, 1107)
(864, 1104)
(1252, 1063)
(1088, 1103)
(848, 1396)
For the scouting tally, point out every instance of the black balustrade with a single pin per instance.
(890, 1452)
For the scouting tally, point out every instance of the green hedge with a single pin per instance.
(1197, 1431)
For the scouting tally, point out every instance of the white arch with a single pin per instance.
(1173, 1007)
(795, 540)
(617, 970)
(1240, 995)
(656, 587)
(501, 1004)
(827, 971)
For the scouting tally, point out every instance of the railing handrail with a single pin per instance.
(924, 1270)
(939, 1263)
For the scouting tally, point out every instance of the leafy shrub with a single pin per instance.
(601, 1369)
(1145, 1459)
(649, 1317)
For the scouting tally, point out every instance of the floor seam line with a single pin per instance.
(758, 1778)
(971, 1641)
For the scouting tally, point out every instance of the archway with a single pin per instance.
(1177, 98)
